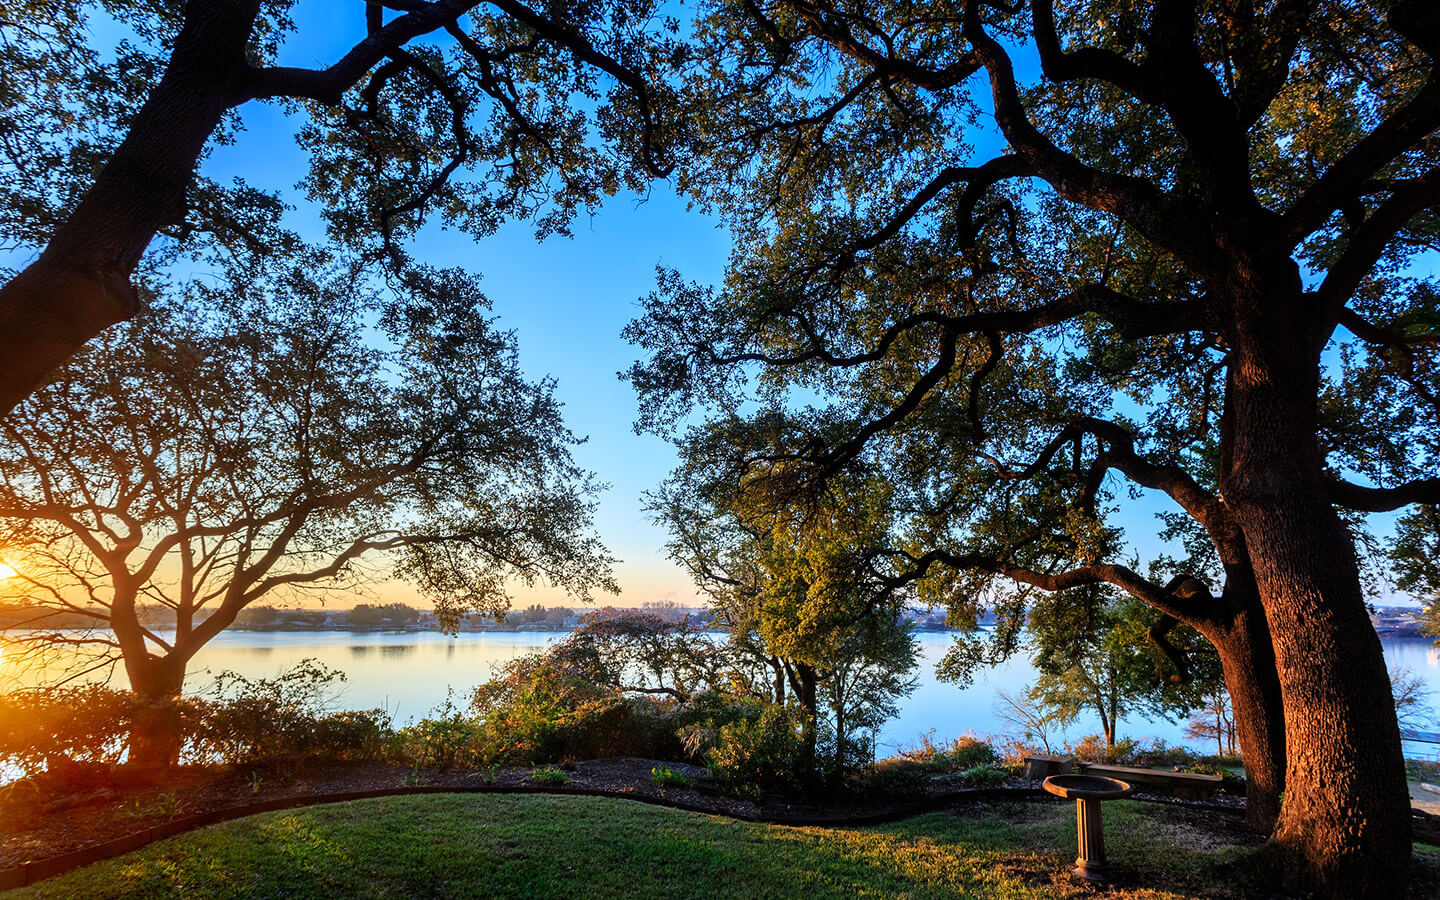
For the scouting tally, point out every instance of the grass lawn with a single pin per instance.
(454, 845)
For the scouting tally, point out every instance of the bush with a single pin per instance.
(46, 728)
(894, 777)
(540, 710)
(668, 777)
(447, 739)
(963, 752)
(752, 758)
(982, 776)
(258, 720)
(59, 731)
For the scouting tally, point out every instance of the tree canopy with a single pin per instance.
(462, 111)
(256, 437)
(1021, 263)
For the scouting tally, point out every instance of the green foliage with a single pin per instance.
(243, 722)
(668, 777)
(963, 752)
(755, 757)
(445, 739)
(983, 776)
(543, 707)
(550, 775)
(254, 720)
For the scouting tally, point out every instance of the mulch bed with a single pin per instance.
(40, 822)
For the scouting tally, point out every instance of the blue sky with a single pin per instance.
(566, 299)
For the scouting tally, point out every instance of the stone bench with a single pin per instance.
(1185, 785)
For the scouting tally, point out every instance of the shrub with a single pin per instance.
(257, 720)
(46, 728)
(982, 776)
(447, 739)
(963, 752)
(668, 777)
(754, 757)
(894, 777)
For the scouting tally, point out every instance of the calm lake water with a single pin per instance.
(410, 673)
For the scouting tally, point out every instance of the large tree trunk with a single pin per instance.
(155, 735)
(1248, 662)
(80, 284)
(1344, 825)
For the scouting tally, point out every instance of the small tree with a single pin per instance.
(1033, 720)
(1412, 699)
(1099, 653)
(796, 600)
(254, 441)
(1215, 721)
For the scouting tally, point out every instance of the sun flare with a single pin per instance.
(7, 570)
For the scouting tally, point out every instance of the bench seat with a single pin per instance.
(1187, 785)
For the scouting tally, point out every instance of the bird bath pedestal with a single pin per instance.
(1088, 791)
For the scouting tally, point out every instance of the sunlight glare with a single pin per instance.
(7, 570)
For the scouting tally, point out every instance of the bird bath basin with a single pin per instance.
(1088, 791)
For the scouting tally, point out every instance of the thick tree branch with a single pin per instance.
(1372, 499)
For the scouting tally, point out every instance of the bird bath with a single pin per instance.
(1088, 791)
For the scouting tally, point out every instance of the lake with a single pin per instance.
(410, 673)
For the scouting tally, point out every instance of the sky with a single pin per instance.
(567, 300)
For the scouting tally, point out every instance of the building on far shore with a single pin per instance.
(1396, 621)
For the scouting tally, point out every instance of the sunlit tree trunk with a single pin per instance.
(1344, 826)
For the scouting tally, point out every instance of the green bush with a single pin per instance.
(257, 720)
(668, 777)
(752, 758)
(982, 776)
(447, 739)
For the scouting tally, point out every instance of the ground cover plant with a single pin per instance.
(469, 845)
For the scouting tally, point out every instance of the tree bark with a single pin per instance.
(80, 284)
(1344, 826)
(155, 735)
(1248, 663)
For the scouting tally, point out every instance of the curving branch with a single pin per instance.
(1373, 499)
(1084, 62)
(1190, 607)
(1369, 240)
(1135, 200)
(1344, 183)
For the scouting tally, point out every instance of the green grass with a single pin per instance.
(451, 845)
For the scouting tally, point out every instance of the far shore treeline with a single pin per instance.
(1389, 621)
(396, 617)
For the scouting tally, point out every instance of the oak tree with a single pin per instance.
(255, 438)
(1026, 260)
(467, 111)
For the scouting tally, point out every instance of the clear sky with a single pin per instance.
(567, 300)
